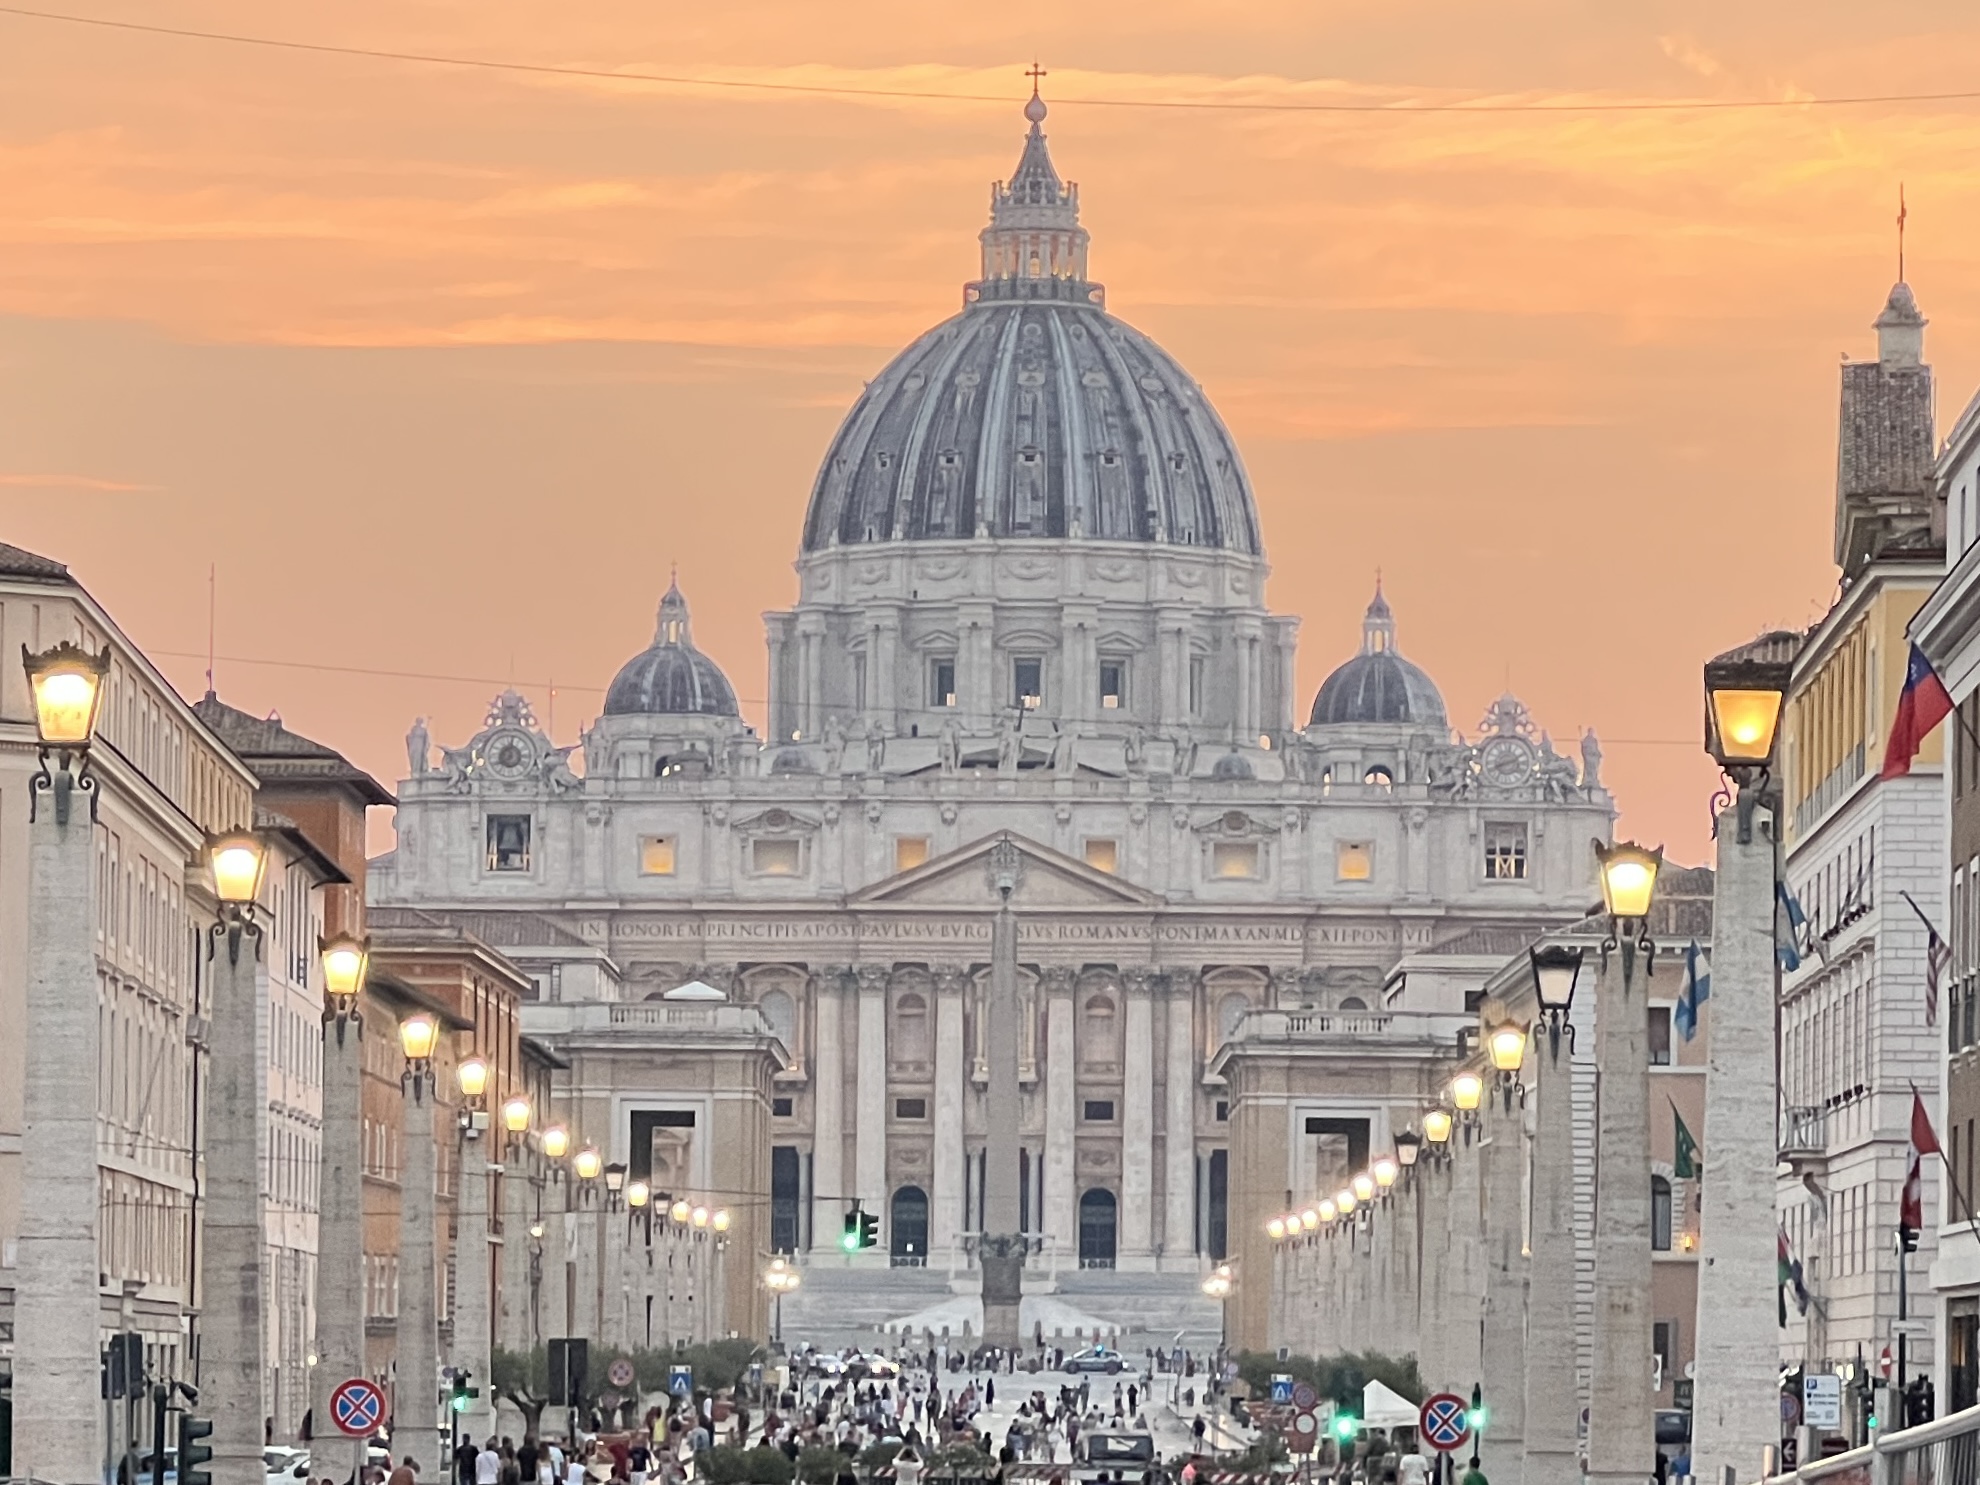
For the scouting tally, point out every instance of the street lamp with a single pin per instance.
(1467, 1092)
(556, 1141)
(1364, 1188)
(587, 1163)
(1629, 883)
(515, 1118)
(1275, 1228)
(1507, 1046)
(472, 1076)
(1744, 692)
(236, 863)
(615, 1184)
(346, 961)
(1437, 1125)
(720, 1221)
(780, 1279)
(1409, 1146)
(67, 682)
(1327, 1212)
(1556, 968)
(417, 1036)
(680, 1211)
(1385, 1170)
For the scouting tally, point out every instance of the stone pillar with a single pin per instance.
(470, 1339)
(339, 1241)
(416, 1389)
(1001, 1254)
(514, 1314)
(1621, 1425)
(1553, 1394)
(1464, 1299)
(233, 1324)
(1430, 1196)
(581, 1239)
(1733, 1419)
(1502, 1174)
(550, 1266)
(1405, 1276)
(1137, 1124)
(1061, 1224)
(870, 1166)
(58, 1419)
(946, 1220)
(1179, 1126)
(828, 1113)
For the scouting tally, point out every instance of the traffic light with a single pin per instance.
(1475, 1414)
(463, 1394)
(869, 1229)
(1907, 1238)
(1919, 1402)
(849, 1237)
(192, 1453)
(861, 1230)
(1346, 1427)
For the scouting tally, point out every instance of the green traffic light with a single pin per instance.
(460, 1402)
(1347, 1426)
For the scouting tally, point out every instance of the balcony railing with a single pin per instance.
(1807, 1132)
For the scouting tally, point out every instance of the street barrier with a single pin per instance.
(1945, 1451)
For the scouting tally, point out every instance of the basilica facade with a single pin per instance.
(1031, 608)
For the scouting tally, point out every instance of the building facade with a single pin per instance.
(1031, 606)
(1865, 860)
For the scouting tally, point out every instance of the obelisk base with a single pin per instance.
(1001, 1259)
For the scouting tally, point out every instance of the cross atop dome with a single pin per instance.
(1034, 233)
(1378, 624)
(673, 628)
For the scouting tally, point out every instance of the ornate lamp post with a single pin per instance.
(233, 1335)
(1467, 1092)
(1552, 1454)
(1744, 693)
(1220, 1285)
(1437, 1126)
(1556, 970)
(67, 685)
(416, 1391)
(473, 1282)
(781, 1278)
(1507, 1047)
(346, 965)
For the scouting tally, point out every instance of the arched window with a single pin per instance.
(1096, 1229)
(911, 1042)
(779, 1010)
(1354, 1003)
(907, 1229)
(1379, 777)
(1660, 1215)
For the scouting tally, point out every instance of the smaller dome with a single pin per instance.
(1232, 767)
(672, 678)
(1378, 685)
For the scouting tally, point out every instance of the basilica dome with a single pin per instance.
(672, 677)
(1034, 412)
(1378, 685)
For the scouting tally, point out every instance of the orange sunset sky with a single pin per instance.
(442, 368)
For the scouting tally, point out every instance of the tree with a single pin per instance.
(523, 1377)
(1340, 1378)
(819, 1465)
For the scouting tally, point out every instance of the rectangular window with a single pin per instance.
(1505, 853)
(780, 1108)
(776, 857)
(1234, 860)
(1029, 678)
(942, 682)
(1103, 855)
(1354, 861)
(1223, 1111)
(859, 682)
(508, 842)
(1196, 686)
(656, 856)
(910, 1108)
(1660, 1035)
(909, 851)
(1113, 685)
(1098, 1111)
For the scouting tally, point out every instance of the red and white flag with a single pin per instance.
(1924, 1139)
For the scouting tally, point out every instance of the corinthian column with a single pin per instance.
(828, 1112)
(1179, 1121)
(870, 1166)
(1137, 1122)
(951, 1170)
(1061, 1223)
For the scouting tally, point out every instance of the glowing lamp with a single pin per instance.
(417, 1034)
(236, 861)
(1344, 1201)
(700, 1216)
(720, 1221)
(679, 1211)
(1327, 1211)
(515, 1115)
(1467, 1088)
(1276, 1228)
(1629, 877)
(67, 682)
(1744, 689)
(637, 1194)
(556, 1140)
(1364, 1187)
(1385, 1170)
(1310, 1219)
(472, 1075)
(1437, 1126)
(588, 1163)
(1507, 1045)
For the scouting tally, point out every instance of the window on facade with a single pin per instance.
(508, 842)
(910, 1108)
(780, 1108)
(1098, 1111)
(1660, 1215)
(1113, 685)
(1660, 1035)
(942, 682)
(1663, 1343)
(1354, 861)
(1234, 860)
(909, 851)
(1028, 678)
(1379, 777)
(656, 856)
(1505, 853)
(1103, 855)
(1223, 1111)
(775, 857)
(1196, 675)
(859, 681)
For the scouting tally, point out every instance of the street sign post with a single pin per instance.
(357, 1408)
(620, 1373)
(1282, 1388)
(680, 1381)
(1441, 1422)
(1304, 1396)
(1821, 1400)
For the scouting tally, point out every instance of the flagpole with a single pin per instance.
(1952, 1179)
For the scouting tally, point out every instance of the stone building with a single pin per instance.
(1031, 605)
(1865, 858)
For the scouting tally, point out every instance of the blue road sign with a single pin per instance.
(1442, 1422)
(1282, 1388)
(680, 1381)
(357, 1407)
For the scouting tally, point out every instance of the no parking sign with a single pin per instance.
(1442, 1423)
(357, 1407)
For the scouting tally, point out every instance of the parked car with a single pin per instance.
(285, 1466)
(1096, 1359)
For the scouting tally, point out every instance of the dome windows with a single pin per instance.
(1379, 777)
(1113, 685)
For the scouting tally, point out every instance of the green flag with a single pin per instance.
(1685, 1164)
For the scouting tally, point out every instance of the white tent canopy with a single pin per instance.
(1384, 1407)
(694, 990)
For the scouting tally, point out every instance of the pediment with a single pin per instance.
(1046, 879)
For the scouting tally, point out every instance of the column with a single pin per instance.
(339, 1240)
(416, 1390)
(58, 1419)
(870, 1149)
(1732, 1418)
(514, 1314)
(886, 659)
(1552, 1393)
(1138, 1123)
(580, 1228)
(1430, 1194)
(470, 1339)
(1179, 1137)
(1502, 1174)
(948, 1202)
(550, 1267)
(1464, 1300)
(1401, 1337)
(1061, 1224)
(828, 1113)
(1170, 627)
(233, 1324)
(1621, 1434)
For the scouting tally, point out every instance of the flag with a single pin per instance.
(1922, 705)
(1685, 1164)
(1938, 955)
(1789, 920)
(1911, 1205)
(1787, 1273)
(1923, 1138)
(1697, 990)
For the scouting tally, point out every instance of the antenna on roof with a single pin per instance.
(212, 570)
(1900, 226)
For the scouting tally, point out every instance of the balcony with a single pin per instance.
(1805, 1140)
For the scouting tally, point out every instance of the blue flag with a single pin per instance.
(1789, 921)
(1697, 990)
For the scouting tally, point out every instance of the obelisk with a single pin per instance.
(1000, 1251)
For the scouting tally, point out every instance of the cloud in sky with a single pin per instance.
(72, 482)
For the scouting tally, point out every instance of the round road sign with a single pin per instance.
(1304, 1396)
(621, 1373)
(1305, 1426)
(1442, 1423)
(357, 1407)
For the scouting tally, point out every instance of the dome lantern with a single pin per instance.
(1378, 686)
(672, 677)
